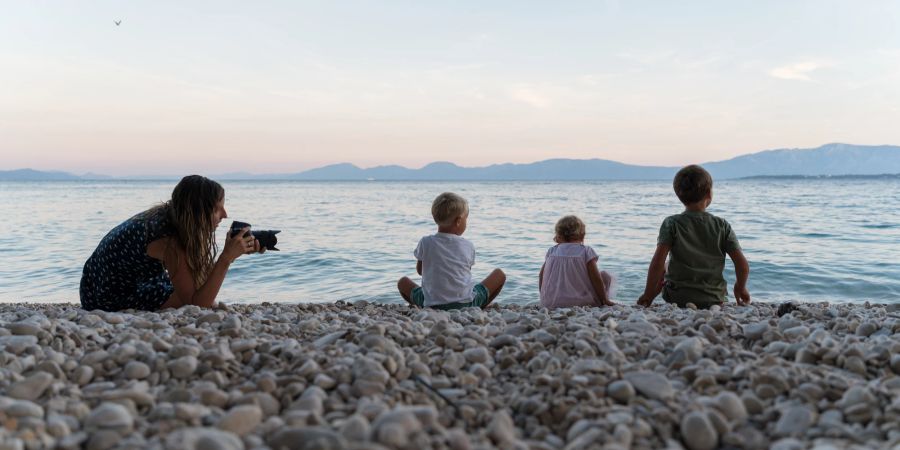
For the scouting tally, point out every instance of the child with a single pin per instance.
(698, 242)
(569, 276)
(445, 262)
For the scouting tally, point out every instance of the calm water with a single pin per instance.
(836, 240)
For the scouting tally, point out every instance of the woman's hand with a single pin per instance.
(239, 244)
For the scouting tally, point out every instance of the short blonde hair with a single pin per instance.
(447, 207)
(570, 228)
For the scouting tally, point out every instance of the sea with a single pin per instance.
(807, 240)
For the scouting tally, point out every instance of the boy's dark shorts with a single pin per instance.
(669, 296)
(480, 298)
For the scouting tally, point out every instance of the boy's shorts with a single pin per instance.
(669, 296)
(480, 298)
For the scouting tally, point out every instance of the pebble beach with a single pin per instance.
(374, 376)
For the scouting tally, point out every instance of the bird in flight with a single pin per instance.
(118, 22)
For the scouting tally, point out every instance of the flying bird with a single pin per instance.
(118, 22)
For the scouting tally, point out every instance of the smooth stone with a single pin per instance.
(794, 421)
(691, 347)
(31, 388)
(697, 432)
(731, 406)
(504, 340)
(17, 344)
(797, 332)
(393, 428)
(110, 416)
(23, 408)
(324, 381)
(24, 328)
(356, 428)
(477, 355)
(241, 419)
(83, 375)
(196, 438)
(895, 363)
(502, 430)
(190, 412)
(307, 438)
(183, 367)
(620, 390)
(755, 331)
(856, 395)
(865, 329)
(102, 440)
(136, 370)
(651, 385)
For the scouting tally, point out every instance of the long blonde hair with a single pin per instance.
(189, 215)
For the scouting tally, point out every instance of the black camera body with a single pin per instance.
(266, 238)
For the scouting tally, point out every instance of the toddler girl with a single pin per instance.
(569, 276)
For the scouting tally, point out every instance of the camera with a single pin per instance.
(266, 238)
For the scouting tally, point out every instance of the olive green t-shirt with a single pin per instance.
(699, 242)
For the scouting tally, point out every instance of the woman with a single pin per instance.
(165, 257)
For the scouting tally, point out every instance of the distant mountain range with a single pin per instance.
(827, 160)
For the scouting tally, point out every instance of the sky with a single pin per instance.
(284, 86)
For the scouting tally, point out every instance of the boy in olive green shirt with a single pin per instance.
(698, 242)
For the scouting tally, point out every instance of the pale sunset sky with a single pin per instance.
(284, 86)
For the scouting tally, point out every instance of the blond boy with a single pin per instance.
(445, 259)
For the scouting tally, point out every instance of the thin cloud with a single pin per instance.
(529, 95)
(799, 71)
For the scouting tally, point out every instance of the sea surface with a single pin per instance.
(806, 240)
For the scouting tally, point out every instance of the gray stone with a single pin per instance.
(110, 416)
(17, 344)
(697, 432)
(136, 370)
(307, 438)
(620, 390)
(356, 428)
(23, 408)
(895, 363)
(477, 355)
(794, 421)
(755, 331)
(203, 439)
(83, 375)
(651, 384)
(31, 388)
(183, 367)
(24, 328)
(241, 419)
(865, 329)
(103, 440)
(731, 406)
(502, 430)
(393, 428)
(692, 348)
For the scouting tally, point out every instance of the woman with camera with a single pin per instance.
(165, 257)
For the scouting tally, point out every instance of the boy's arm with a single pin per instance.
(541, 277)
(655, 275)
(419, 266)
(742, 271)
(597, 283)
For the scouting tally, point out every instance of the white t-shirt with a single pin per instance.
(447, 261)
(566, 281)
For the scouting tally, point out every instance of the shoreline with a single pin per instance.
(339, 375)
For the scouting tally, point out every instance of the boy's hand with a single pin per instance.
(741, 295)
(645, 300)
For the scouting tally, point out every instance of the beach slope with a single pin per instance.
(369, 376)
